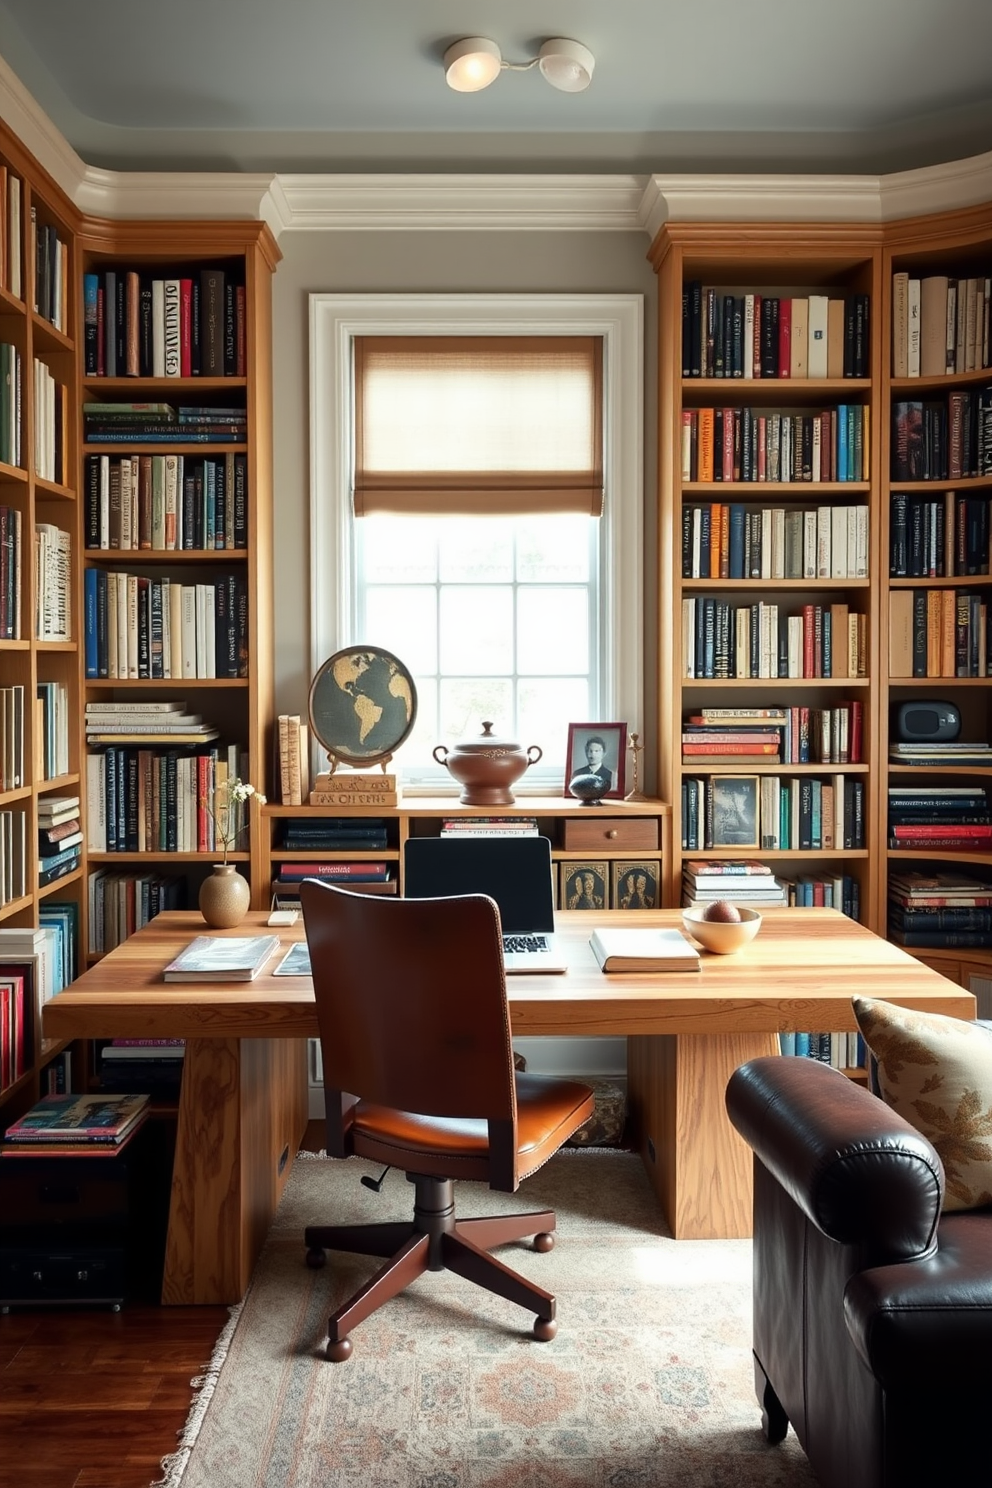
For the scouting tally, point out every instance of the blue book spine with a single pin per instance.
(802, 1044)
(90, 582)
(842, 449)
(787, 1043)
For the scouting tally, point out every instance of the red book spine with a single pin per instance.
(785, 338)
(185, 327)
(809, 641)
(855, 728)
(333, 870)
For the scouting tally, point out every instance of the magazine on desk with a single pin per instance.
(221, 958)
(296, 961)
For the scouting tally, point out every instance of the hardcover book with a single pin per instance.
(218, 958)
(643, 950)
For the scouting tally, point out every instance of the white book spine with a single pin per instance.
(913, 344)
(158, 328)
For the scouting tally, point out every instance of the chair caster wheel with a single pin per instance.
(545, 1329)
(544, 1241)
(338, 1350)
(316, 1258)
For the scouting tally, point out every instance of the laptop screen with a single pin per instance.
(515, 871)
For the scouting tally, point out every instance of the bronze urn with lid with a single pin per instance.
(486, 767)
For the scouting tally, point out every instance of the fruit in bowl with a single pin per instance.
(720, 933)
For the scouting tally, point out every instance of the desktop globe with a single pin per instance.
(363, 705)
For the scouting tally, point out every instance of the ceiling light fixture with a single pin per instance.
(474, 62)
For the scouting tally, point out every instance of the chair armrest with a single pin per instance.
(858, 1171)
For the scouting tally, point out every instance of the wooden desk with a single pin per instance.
(243, 1104)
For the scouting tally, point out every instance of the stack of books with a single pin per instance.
(365, 877)
(60, 837)
(136, 723)
(947, 752)
(335, 833)
(78, 1124)
(294, 759)
(153, 1066)
(489, 826)
(940, 818)
(742, 882)
(710, 740)
(940, 909)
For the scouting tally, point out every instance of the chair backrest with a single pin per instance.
(411, 1003)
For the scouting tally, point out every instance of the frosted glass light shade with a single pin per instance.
(472, 64)
(567, 65)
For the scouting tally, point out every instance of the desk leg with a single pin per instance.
(242, 1113)
(699, 1166)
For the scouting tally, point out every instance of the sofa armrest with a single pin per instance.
(858, 1171)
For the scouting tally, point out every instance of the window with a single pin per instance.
(531, 620)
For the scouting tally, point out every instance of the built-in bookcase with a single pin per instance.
(770, 550)
(936, 486)
(39, 601)
(175, 510)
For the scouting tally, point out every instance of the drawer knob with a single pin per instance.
(612, 832)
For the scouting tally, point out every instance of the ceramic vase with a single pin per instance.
(224, 897)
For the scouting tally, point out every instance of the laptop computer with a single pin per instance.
(515, 871)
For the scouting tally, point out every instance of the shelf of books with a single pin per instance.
(40, 824)
(175, 532)
(768, 554)
(936, 487)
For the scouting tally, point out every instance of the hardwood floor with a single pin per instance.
(95, 1399)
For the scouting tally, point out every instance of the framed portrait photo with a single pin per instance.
(585, 886)
(735, 811)
(597, 749)
(635, 884)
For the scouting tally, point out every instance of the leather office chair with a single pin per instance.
(418, 1075)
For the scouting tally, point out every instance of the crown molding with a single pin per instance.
(469, 202)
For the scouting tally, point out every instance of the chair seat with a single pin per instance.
(549, 1109)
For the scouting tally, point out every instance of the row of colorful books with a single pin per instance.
(938, 538)
(939, 633)
(762, 640)
(942, 439)
(158, 799)
(138, 627)
(176, 325)
(940, 324)
(756, 444)
(727, 540)
(773, 813)
(166, 503)
(726, 334)
(842, 1050)
(793, 735)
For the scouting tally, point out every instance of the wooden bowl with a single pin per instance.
(723, 937)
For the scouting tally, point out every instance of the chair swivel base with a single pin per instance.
(433, 1241)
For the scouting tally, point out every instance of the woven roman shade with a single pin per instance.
(478, 425)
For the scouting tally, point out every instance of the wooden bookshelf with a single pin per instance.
(956, 246)
(232, 688)
(613, 834)
(38, 491)
(777, 264)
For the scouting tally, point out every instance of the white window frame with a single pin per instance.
(334, 322)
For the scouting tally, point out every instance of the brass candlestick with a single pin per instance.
(635, 793)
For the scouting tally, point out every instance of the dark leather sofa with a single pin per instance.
(872, 1310)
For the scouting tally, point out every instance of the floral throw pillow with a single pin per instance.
(936, 1072)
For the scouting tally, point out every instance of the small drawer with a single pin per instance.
(599, 833)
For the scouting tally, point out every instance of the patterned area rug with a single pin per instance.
(648, 1383)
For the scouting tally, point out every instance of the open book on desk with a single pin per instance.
(630, 949)
(220, 958)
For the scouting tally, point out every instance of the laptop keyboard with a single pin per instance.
(513, 944)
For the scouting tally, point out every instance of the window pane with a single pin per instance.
(398, 550)
(403, 618)
(545, 708)
(424, 735)
(553, 630)
(476, 631)
(476, 551)
(466, 705)
(553, 549)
